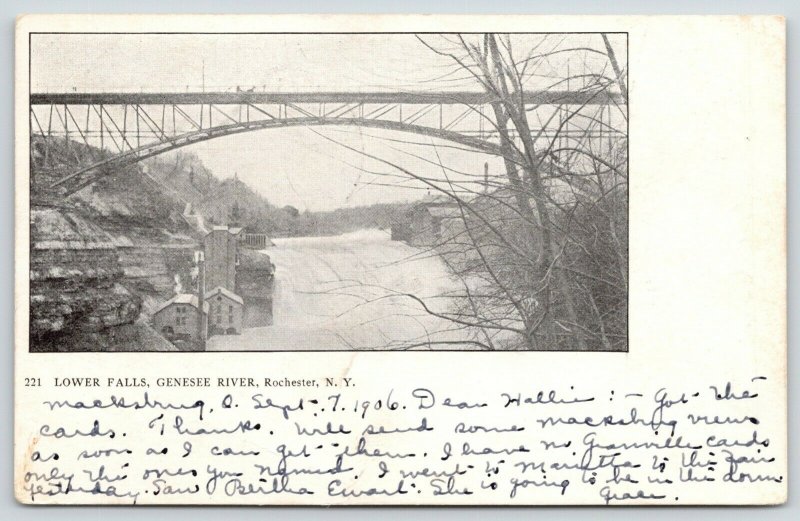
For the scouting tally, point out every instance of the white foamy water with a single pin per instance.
(347, 292)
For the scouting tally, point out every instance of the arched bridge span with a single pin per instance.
(130, 127)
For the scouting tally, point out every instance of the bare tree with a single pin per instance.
(548, 245)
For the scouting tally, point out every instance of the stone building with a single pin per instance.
(431, 224)
(225, 312)
(178, 319)
(221, 247)
(243, 272)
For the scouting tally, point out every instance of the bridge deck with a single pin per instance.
(238, 98)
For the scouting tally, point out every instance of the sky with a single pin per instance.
(304, 167)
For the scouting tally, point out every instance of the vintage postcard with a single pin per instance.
(400, 260)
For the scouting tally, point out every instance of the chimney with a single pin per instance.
(202, 326)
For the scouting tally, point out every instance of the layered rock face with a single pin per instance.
(254, 283)
(75, 278)
(89, 286)
(157, 272)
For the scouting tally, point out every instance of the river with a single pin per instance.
(349, 292)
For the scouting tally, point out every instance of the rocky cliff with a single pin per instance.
(101, 257)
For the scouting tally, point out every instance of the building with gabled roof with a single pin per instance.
(226, 312)
(179, 318)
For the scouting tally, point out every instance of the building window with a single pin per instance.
(230, 308)
(230, 319)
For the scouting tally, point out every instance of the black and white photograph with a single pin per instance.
(395, 260)
(328, 192)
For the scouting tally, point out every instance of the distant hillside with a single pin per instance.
(336, 222)
(233, 201)
(184, 173)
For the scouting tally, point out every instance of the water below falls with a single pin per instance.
(347, 292)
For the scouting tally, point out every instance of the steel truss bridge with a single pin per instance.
(103, 132)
